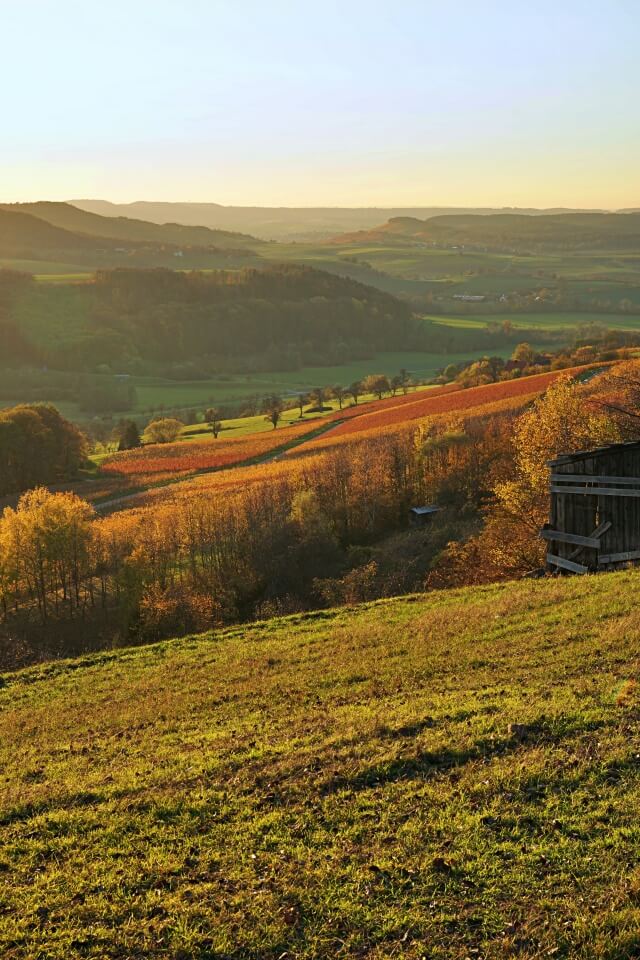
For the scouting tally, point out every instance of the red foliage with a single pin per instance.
(358, 410)
(444, 400)
(157, 461)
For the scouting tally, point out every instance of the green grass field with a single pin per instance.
(344, 783)
(542, 321)
(157, 394)
(152, 393)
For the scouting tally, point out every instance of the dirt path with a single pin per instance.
(270, 457)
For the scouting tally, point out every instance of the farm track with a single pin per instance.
(249, 462)
(352, 423)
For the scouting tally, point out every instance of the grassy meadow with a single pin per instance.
(541, 323)
(342, 783)
(155, 394)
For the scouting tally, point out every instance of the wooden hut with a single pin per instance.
(595, 509)
(420, 516)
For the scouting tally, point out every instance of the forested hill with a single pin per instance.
(71, 218)
(593, 231)
(190, 324)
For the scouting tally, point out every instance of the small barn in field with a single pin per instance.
(594, 521)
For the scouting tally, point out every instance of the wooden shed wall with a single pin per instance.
(581, 513)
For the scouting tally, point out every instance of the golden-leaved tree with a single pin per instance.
(564, 420)
(561, 421)
(46, 553)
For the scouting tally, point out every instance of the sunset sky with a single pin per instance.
(348, 103)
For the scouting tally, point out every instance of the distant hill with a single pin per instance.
(282, 223)
(121, 228)
(21, 232)
(189, 325)
(512, 231)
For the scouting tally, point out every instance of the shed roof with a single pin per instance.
(429, 508)
(611, 448)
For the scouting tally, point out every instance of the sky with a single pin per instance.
(351, 103)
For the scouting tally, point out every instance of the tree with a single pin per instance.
(127, 435)
(302, 399)
(38, 446)
(617, 393)
(395, 384)
(485, 370)
(45, 551)
(318, 395)
(339, 393)
(405, 380)
(165, 430)
(561, 421)
(377, 383)
(354, 390)
(212, 417)
(272, 407)
(524, 353)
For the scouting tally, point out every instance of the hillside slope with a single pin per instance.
(555, 231)
(340, 783)
(20, 231)
(68, 217)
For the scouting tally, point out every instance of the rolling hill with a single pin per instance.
(447, 775)
(72, 218)
(21, 231)
(277, 223)
(25, 236)
(510, 230)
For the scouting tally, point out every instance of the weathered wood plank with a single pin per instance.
(573, 538)
(597, 491)
(584, 478)
(619, 557)
(566, 564)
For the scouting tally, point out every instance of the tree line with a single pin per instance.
(38, 446)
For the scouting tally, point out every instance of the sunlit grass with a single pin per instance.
(336, 784)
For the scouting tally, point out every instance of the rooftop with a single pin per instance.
(596, 452)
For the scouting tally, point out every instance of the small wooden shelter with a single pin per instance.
(595, 509)
(419, 516)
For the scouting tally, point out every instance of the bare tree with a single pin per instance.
(212, 417)
(272, 407)
(354, 390)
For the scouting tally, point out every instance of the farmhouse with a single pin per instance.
(595, 509)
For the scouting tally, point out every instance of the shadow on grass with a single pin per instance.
(429, 763)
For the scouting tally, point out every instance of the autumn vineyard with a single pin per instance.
(173, 537)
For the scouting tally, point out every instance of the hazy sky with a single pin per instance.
(344, 103)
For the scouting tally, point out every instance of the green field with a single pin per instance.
(156, 394)
(414, 268)
(542, 321)
(336, 784)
